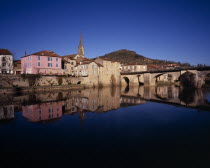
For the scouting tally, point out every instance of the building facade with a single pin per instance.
(43, 62)
(17, 67)
(6, 62)
(133, 68)
(109, 72)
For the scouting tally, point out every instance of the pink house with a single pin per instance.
(43, 62)
(43, 111)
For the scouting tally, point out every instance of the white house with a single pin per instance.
(6, 62)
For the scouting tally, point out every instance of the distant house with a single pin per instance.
(87, 68)
(17, 67)
(133, 68)
(70, 61)
(6, 62)
(154, 67)
(172, 66)
(43, 62)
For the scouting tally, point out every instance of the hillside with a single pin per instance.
(130, 57)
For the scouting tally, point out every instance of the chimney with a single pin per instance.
(25, 53)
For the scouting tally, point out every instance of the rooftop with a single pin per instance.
(44, 53)
(5, 52)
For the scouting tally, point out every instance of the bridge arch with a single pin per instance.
(207, 80)
(188, 80)
(126, 79)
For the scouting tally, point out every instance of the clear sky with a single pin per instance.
(177, 30)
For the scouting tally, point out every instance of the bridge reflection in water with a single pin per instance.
(42, 107)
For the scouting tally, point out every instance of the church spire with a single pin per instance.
(81, 51)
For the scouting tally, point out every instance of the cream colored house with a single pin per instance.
(109, 73)
(87, 69)
(133, 68)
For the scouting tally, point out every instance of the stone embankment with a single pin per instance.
(36, 89)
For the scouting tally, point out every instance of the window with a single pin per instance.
(38, 63)
(38, 57)
(56, 65)
(72, 63)
(49, 64)
(49, 58)
(57, 59)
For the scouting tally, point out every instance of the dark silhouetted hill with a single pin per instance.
(131, 57)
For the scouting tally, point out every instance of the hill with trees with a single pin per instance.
(131, 57)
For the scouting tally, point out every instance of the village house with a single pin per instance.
(17, 67)
(87, 68)
(6, 62)
(133, 68)
(70, 61)
(43, 62)
(109, 72)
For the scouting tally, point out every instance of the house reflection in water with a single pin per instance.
(7, 112)
(52, 105)
(43, 111)
(93, 100)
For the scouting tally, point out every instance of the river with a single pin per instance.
(108, 127)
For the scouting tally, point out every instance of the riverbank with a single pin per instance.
(35, 89)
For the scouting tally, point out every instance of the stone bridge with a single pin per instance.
(151, 78)
(192, 98)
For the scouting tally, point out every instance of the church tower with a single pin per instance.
(81, 49)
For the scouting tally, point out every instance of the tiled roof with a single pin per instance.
(132, 64)
(5, 52)
(17, 61)
(46, 53)
(88, 62)
(72, 56)
(99, 64)
(106, 59)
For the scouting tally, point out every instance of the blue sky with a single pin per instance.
(176, 30)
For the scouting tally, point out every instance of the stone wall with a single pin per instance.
(12, 81)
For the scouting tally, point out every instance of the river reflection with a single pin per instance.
(50, 106)
(108, 127)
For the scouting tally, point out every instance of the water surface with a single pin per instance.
(109, 127)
